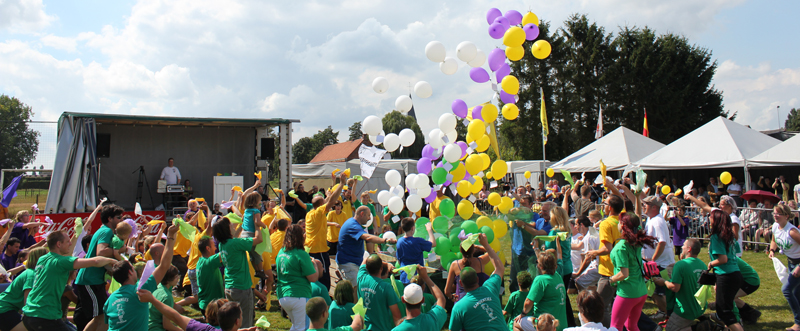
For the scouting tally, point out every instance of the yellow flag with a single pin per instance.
(603, 170)
(545, 129)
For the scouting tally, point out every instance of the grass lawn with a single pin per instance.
(25, 199)
(768, 299)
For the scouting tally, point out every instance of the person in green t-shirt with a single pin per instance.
(380, 300)
(229, 315)
(722, 253)
(296, 272)
(317, 288)
(516, 300)
(13, 298)
(413, 297)
(751, 282)
(547, 295)
(123, 309)
(209, 278)
(238, 284)
(317, 312)
(43, 307)
(388, 219)
(341, 309)
(91, 282)
(480, 309)
(163, 293)
(627, 259)
(683, 284)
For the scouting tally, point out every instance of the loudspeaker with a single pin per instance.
(267, 149)
(103, 145)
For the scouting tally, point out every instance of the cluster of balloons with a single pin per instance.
(448, 243)
(403, 103)
(465, 51)
(373, 127)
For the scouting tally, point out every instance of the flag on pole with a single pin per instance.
(646, 131)
(598, 133)
(11, 191)
(545, 130)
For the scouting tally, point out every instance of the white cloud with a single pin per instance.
(62, 43)
(24, 16)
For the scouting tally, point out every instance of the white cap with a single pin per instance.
(413, 294)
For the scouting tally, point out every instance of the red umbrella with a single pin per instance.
(760, 196)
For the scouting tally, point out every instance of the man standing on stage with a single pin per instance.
(171, 173)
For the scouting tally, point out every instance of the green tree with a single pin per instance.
(307, 147)
(355, 131)
(18, 142)
(793, 120)
(394, 122)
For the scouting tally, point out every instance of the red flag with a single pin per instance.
(646, 131)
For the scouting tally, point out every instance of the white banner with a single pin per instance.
(370, 156)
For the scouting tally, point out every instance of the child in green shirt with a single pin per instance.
(317, 312)
(516, 300)
(123, 233)
(341, 308)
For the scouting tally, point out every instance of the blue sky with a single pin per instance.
(315, 60)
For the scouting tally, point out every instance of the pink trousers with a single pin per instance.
(627, 311)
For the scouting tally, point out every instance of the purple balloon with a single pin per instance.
(447, 183)
(463, 146)
(514, 17)
(531, 31)
(497, 30)
(507, 98)
(497, 57)
(424, 165)
(502, 72)
(427, 151)
(504, 21)
(492, 14)
(460, 107)
(479, 75)
(431, 197)
(476, 113)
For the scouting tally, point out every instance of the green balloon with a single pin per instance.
(439, 176)
(420, 223)
(489, 233)
(421, 234)
(454, 241)
(455, 165)
(441, 224)
(425, 254)
(447, 259)
(459, 256)
(470, 227)
(448, 208)
(442, 246)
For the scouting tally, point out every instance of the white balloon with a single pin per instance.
(403, 104)
(449, 66)
(395, 205)
(392, 178)
(425, 191)
(452, 152)
(410, 180)
(423, 89)
(414, 204)
(466, 51)
(479, 60)
(389, 235)
(380, 85)
(447, 123)
(435, 138)
(435, 51)
(372, 125)
(452, 136)
(373, 140)
(383, 197)
(398, 191)
(407, 137)
(391, 142)
(421, 182)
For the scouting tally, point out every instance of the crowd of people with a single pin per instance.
(603, 241)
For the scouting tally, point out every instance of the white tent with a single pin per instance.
(720, 143)
(617, 149)
(786, 153)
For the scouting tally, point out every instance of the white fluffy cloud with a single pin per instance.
(24, 16)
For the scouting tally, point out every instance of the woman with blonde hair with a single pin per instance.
(559, 222)
(14, 297)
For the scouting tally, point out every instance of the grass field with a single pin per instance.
(768, 299)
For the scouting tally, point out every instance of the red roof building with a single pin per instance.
(341, 152)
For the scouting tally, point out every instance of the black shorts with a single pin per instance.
(333, 247)
(92, 298)
(749, 289)
(9, 320)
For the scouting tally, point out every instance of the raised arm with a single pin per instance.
(423, 274)
(335, 195)
(97, 261)
(166, 256)
(4, 240)
(565, 201)
(88, 222)
(499, 268)
(704, 206)
(612, 188)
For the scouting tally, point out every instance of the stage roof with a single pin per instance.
(178, 121)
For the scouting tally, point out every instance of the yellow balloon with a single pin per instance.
(494, 199)
(483, 221)
(725, 177)
(501, 255)
(499, 168)
(489, 113)
(489, 267)
(477, 185)
(489, 175)
(465, 209)
(530, 18)
(510, 84)
(459, 173)
(514, 36)
(541, 50)
(500, 229)
(515, 53)
(527, 174)
(476, 128)
(486, 161)
(463, 188)
(510, 111)
(483, 143)
(474, 164)
(665, 189)
(550, 172)
(495, 245)
(505, 207)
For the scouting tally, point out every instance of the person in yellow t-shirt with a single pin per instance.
(278, 230)
(434, 207)
(609, 236)
(336, 218)
(317, 229)
(180, 253)
(190, 279)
